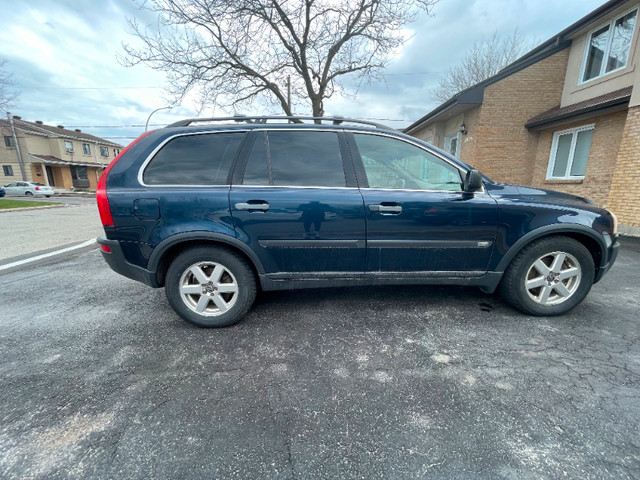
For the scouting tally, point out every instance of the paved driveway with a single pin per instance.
(100, 379)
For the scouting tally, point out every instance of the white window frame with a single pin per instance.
(104, 151)
(608, 49)
(572, 151)
(87, 150)
(68, 146)
(447, 140)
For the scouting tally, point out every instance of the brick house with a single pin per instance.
(65, 159)
(559, 117)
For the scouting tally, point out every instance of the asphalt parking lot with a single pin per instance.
(100, 379)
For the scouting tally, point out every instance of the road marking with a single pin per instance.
(47, 255)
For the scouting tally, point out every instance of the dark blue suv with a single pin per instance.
(213, 208)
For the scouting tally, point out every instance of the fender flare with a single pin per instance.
(558, 229)
(160, 249)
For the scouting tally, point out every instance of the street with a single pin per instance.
(31, 231)
(100, 379)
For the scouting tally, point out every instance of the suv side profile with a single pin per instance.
(212, 209)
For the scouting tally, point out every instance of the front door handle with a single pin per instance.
(389, 209)
(253, 205)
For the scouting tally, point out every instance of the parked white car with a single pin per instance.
(28, 188)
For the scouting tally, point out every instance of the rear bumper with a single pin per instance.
(119, 264)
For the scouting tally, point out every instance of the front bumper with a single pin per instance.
(119, 264)
(612, 254)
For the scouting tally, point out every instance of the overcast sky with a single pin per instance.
(62, 54)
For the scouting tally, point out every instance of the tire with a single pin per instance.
(549, 276)
(28, 194)
(199, 300)
(48, 196)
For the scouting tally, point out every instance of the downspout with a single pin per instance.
(18, 153)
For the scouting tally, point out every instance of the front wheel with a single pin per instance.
(549, 277)
(210, 286)
(28, 194)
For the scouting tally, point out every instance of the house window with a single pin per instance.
(452, 144)
(608, 47)
(86, 149)
(104, 151)
(7, 169)
(116, 152)
(569, 153)
(9, 142)
(68, 146)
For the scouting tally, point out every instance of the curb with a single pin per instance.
(22, 209)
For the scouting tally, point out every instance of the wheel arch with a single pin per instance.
(585, 235)
(169, 248)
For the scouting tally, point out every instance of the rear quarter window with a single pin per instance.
(203, 159)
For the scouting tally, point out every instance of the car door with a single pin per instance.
(418, 218)
(295, 202)
(11, 189)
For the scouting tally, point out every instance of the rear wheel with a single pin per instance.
(210, 287)
(549, 277)
(28, 194)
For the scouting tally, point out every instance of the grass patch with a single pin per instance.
(5, 204)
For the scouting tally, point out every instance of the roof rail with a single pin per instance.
(335, 120)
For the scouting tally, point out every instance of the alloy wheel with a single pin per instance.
(553, 278)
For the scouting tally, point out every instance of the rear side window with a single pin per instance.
(194, 160)
(287, 158)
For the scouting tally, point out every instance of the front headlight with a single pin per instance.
(615, 222)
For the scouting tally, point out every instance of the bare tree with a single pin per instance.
(236, 52)
(7, 97)
(487, 57)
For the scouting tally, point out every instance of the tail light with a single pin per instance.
(101, 193)
(37, 189)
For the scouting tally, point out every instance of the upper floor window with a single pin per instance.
(68, 146)
(392, 163)
(116, 152)
(86, 149)
(569, 153)
(7, 170)
(9, 142)
(104, 151)
(608, 47)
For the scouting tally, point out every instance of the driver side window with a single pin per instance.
(392, 163)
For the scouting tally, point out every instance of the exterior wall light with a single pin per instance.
(463, 129)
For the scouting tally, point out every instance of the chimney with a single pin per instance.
(60, 126)
(39, 122)
(17, 117)
(78, 130)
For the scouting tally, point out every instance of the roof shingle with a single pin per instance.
(51, 131)
(611, 99)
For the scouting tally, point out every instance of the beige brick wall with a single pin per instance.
(469, 142)
(504, 149)
(607, 135)
(624, 199)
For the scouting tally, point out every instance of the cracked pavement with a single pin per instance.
(100, 379)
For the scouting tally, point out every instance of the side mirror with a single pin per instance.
(472, 181)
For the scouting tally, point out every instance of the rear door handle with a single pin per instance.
(253, 205)
(392, 209)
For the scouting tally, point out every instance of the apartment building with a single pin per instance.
(52, 155)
